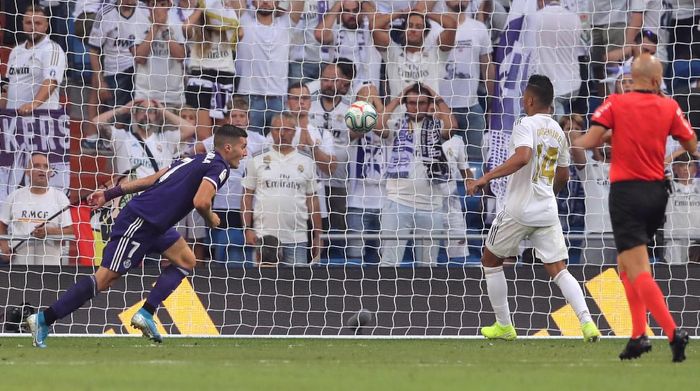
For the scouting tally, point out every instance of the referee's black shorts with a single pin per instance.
(637, 210)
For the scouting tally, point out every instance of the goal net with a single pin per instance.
(320, 222)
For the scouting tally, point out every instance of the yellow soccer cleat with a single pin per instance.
(498, 331)
(590, 332)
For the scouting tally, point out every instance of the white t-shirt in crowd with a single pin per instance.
(417, 190)
(596, 186)
(387, 6)
(530, 198)
(333, 122)
(219, 55)
(305, 47)
(683, 9)
(281, 184)
(114, 36)
(404, 68)
(88, 6)
(357, 45)
(606, 12)
(653, 11)
(262, 56)
(462, 65)
(366, 170)
(682, 216)
(229, 195)
(556, 36)
(161, 77)
(27, 68)
(23, 211)
(129, 153)
(456, 155)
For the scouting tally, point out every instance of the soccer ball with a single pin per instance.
(361, 117)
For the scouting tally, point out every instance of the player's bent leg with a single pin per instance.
(183, 260)
(573, 294)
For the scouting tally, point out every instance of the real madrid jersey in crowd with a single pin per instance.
(305, 47)
(114, 35)
(405, 68)
(281, 184)
(333, 121)
(530, 198)
(595, 176)
(27, 68)
(357, 46)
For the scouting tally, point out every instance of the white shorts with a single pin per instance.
(506, 234)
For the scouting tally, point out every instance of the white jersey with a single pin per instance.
(456, 155)
(357, 45)
(404, 68)
(606, 12)
(230, 194)
(530, 198)
(366, 170)
(305, 47)
(23, 211)
(556, 38)
(462, 64)
(114, 36)
(333, 122)
(325, 141)
(682, 216)
(281, 184)
(27, 68)
(129, 153)
(596, 186)
(161, 77)
(262, 56)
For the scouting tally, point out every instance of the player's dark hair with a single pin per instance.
(417, 89)
(542, 88)
(227, 133)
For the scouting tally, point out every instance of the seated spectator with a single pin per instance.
(35, 68)
(151, 140)
(262, 58)
(594, 172)
(412, 54)
(26, 212)
(212, 34)
(468, 64)
(344, 31)
(681, 231)
(111, 41)
(455, 221)
(417, 123)
(227, 240)
(159, 55)
(280, 196)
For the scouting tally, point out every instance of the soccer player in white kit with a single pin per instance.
(538, 169)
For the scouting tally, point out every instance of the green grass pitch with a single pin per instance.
(339, 364)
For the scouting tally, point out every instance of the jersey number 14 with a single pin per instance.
(545, 163)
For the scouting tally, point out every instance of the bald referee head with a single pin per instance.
(647, 73)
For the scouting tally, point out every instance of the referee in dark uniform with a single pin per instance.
(638, 124)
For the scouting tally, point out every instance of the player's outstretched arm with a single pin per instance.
(101, 197)
(592, 139)
(519, 160)
(203, 202)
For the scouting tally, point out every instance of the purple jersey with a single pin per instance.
(170, 199)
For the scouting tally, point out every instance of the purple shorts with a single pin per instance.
(131, 239)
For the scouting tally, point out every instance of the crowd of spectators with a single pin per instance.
(153, 79)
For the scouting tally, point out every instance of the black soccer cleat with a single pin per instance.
(680, 341)
(636, 347)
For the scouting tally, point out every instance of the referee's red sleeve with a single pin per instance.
(680, 128)
(604, 113)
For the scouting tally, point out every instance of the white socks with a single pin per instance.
(573, 294)
(498, 293)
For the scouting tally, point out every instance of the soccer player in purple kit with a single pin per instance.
(145, 225)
